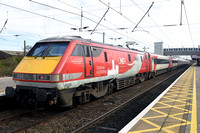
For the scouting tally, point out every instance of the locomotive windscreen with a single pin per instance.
(48, 49)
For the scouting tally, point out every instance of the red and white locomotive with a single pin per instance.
(65, 70)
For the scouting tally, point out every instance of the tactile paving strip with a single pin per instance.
(172, 112)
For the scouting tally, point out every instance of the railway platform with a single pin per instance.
(2, 92)
(177, 109)
(4, 82)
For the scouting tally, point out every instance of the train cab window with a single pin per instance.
(96, 51)
(141, 58)
(129, 57)
(105, 55)
(78, 50)
(87, 51)
(48, 49)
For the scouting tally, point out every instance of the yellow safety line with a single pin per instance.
(167, 129)
(173, 106)
(2, 90)
(193, 127)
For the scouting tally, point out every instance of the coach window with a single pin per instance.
(136, 58)
(78, 50)
(141, 58)
(105, 55)
(129, 57)
(155, 61)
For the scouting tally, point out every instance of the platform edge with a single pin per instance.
(139, 116)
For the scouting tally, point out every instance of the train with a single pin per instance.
(70, 70)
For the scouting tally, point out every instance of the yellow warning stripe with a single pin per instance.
(172, 106)
(176, 101)
(166, 129)
(2, 90)
(172, 100)
(193, 127)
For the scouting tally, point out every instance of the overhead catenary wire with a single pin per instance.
(83, 17)
(154, 23)
(126, 17)
(117, 12)
(4, 25)
(142, 17)
(100, 21)
(38, 14)
(56, 19)
(71, 13)
(84, 11)
(68, 23)
(188, 23)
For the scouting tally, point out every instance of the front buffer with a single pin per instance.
(26, 95)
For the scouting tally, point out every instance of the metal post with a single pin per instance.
(103, 37)
(24, 47)
(80, 29)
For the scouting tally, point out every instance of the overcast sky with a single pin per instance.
(32, 21)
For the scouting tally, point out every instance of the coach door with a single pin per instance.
(88, 61)
(146, 62)
(150, 62)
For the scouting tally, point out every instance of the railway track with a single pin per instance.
(92, 125)
(24, 119)
(78, 119)
(6, 104)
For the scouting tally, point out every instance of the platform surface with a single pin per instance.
(177, 110)
(4, 82)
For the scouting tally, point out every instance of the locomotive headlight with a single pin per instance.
(56, 77)
(44, 77)
(38, 77)
(17, 76)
